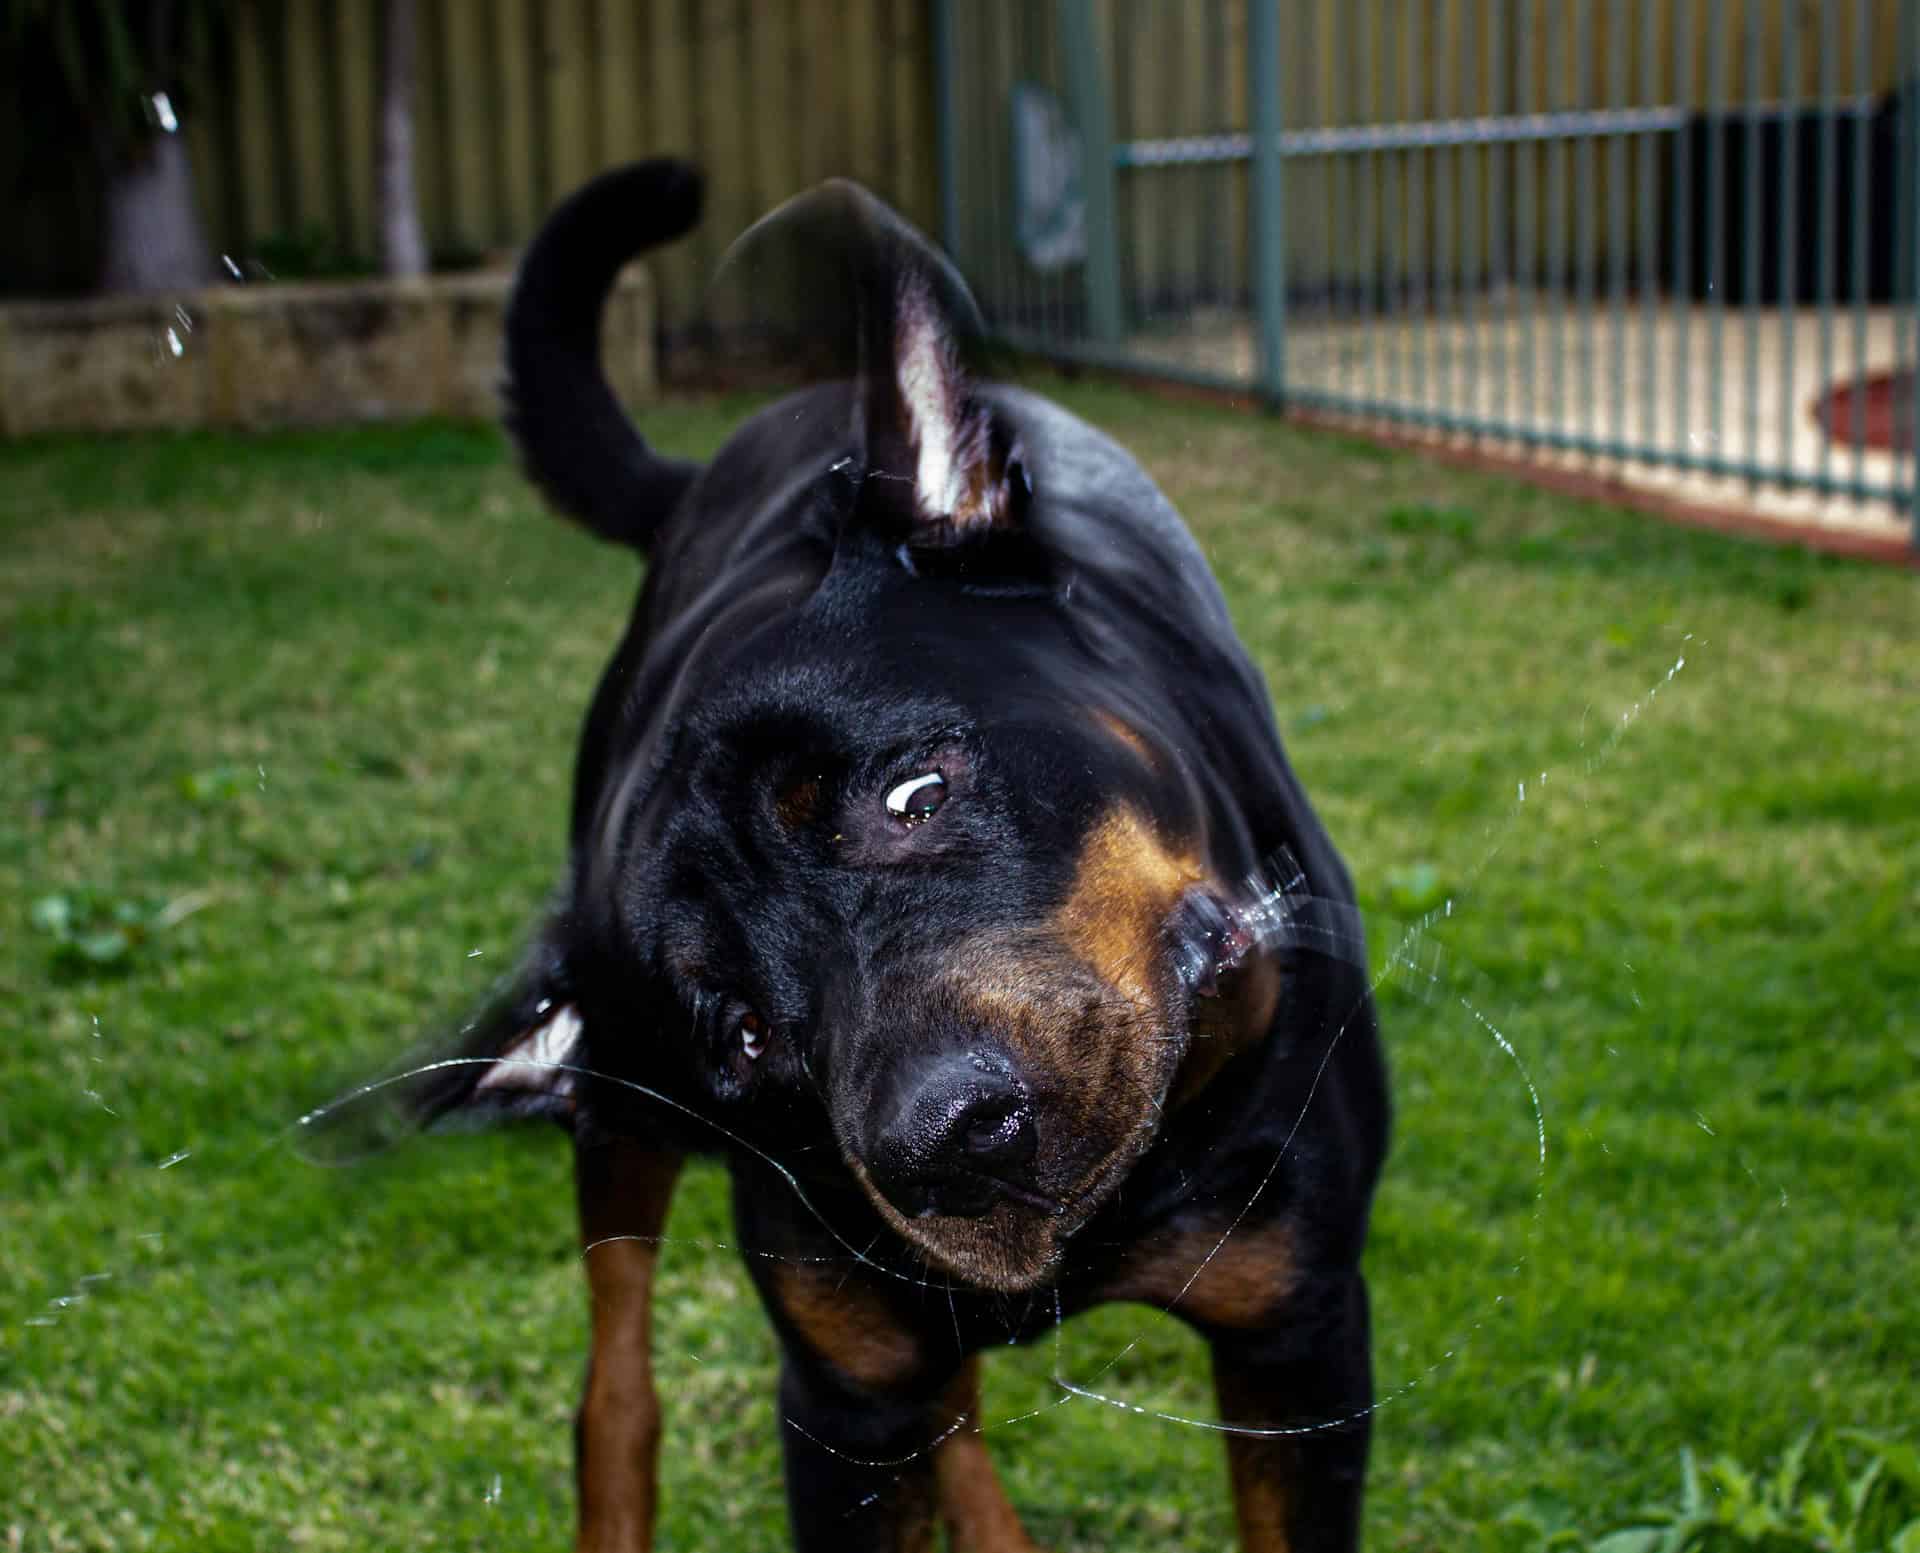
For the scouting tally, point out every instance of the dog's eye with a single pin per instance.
(753, 1035)
(917, 798)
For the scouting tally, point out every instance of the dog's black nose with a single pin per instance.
(954, 1137)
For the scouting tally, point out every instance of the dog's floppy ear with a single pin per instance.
(519, 1055)
(862, 291)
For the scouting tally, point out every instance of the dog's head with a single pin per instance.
(896, 852)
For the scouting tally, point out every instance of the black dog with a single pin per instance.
(910, 840)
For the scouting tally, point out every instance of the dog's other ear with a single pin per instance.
(518, 1056)
(860, 292)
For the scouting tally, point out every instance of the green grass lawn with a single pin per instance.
(287, 729)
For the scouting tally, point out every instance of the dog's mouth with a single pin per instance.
(1003, 1231)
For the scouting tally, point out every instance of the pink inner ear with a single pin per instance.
(955, 484)
(539, 1060)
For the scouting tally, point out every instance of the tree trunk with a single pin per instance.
(403, 251)
(154, 239)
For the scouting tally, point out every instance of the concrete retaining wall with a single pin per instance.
(278, 355)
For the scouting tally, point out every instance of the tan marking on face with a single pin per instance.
(847, 1322)
(1124, 889)
(1086, 1006)
(1126, 734)
(1230, 1280)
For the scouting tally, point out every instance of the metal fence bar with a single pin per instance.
(1750, 225)
(1717, 129)
(1862, 73)
(1393, 197)
(1555, 258)
(1585, 259)
(1526, 227)
(1617, 242)
(1342, 195)
(1360, 41)
(1504, 160)
(1516, 227)
(1789, 234)
(1428, 135)
(1683, 171)
(1909, 76)
(1440, 300)
(1087, 87)
(1269, 229)
(1561, 441)
(1417, 263)
(1473, 184)
(1828, 259)
(1649, 233)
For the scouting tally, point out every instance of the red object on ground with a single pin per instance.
(1886, 412)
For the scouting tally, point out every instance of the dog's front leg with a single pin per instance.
(860, 1464)
(978, 1515)
(624, 1189)
(1303, 1393)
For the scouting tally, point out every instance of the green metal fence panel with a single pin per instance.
(1675, 239)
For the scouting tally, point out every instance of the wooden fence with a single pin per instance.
(518, 101)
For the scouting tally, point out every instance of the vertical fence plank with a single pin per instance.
(858, 63)
(919, 178)
(946, 125)
(775, 170)
(302, 45)
(432, 127)
(621, 132)
(513, 87)
(358, 111)
(566, 68)
(471, 152)
(668, 83)
(258, 177)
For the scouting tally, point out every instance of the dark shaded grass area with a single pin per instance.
(292, 716)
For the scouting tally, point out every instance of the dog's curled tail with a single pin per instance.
(576, 441)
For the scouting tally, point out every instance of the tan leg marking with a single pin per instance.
(623, 1190)
(978, 1515)
(1261, 1470)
